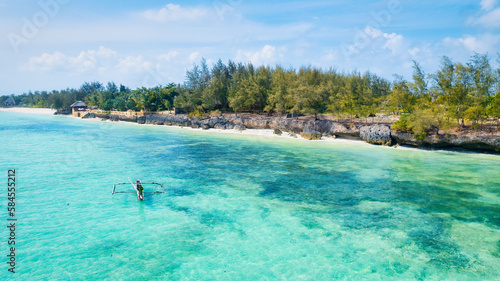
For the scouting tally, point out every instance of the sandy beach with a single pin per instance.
(267, 133)
(255, 132)
(44, 111)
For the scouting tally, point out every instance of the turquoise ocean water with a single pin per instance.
(242, 207)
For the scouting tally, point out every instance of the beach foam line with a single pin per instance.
(268, 133)
(251, 132)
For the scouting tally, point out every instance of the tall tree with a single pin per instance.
(401, 97)
(279, 97)
(419, 85)
(461, 89)
(111, 87)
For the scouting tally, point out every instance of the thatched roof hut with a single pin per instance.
(78, 104)
(79, 109)
(9, 102)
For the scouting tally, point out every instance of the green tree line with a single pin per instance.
(238, 87)
(455, 94)
(109, 97)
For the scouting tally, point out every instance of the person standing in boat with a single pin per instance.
(140, 189)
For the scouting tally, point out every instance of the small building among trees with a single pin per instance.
(79, 109)
(9, 102)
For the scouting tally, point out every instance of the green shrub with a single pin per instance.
(419, 123)
(216, 113)
(421, 136)
(402, 124)
(196, 113)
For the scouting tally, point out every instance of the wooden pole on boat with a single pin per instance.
(135, 187)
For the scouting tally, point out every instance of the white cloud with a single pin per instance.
(105, 64)
(172, 12)
(490, 19)
(394, 42)
(91, 60)
(240, 39)
(382, 53)
(414, 51)
(423, 53)
(268, 55)
(133, 64)
(195, 57)
(47, 62)
(373, 40)
(487, 5)
(485, 43)
(330, 55)
(168, 56)
(372, 32)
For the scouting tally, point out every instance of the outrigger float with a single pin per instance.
(148, 187)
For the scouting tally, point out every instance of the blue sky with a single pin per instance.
(54, 44)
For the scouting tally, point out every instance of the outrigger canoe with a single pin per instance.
(149, 188)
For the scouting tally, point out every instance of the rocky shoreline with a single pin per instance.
(378, 134)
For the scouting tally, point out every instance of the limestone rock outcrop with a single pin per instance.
(314, 129)
(376, 134)
(311, 134)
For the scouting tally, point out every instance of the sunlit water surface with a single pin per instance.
(242, 207)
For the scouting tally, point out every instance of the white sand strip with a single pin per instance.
(254, 132)
(44, 111)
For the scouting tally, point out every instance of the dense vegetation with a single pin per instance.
(242, 87)
(105, 97)
(456, 93)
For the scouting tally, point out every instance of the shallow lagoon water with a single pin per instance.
(242, 207)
